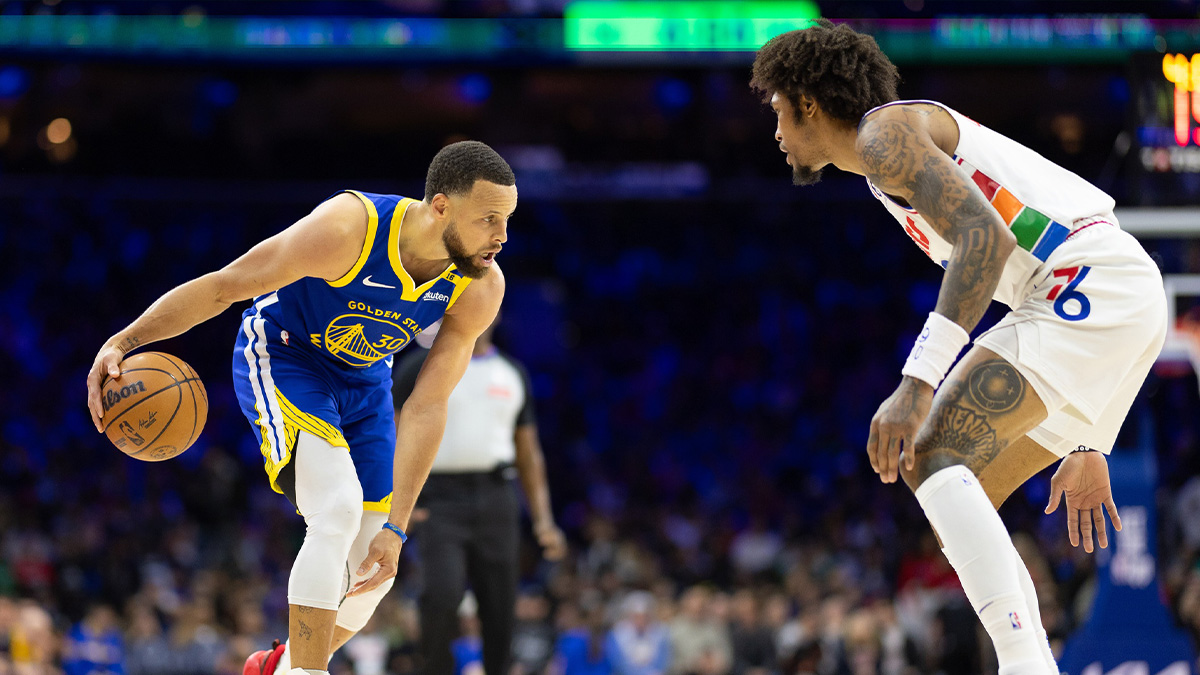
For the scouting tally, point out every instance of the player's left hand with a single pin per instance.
(552, 541)
(1083, 478)
(384, 551)
(894, 428)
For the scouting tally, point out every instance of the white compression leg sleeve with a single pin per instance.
(357, 610)
(980, 550)
(1035, 612)
(330, 498)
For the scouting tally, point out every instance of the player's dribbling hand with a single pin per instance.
(552, 541)
(384, 551)
(107, 363)
(1083, 478)
(894, 427)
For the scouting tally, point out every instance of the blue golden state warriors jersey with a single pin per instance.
(372, 312)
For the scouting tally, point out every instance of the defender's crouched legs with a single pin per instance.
(982, 407)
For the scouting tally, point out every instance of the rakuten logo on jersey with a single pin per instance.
(435, 297)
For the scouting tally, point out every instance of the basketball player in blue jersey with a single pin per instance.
(1052, 380)
(334, 296)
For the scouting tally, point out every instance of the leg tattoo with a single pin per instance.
(962, 427)
(996, 387)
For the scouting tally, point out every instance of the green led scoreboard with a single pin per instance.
(681, 26)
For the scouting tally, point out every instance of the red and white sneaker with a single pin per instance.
(263, 662)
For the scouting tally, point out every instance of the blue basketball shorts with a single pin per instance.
(287, 388)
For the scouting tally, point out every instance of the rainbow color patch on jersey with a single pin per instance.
(1041, 202)
(1035, 231)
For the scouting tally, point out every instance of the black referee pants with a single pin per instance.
(472, 537)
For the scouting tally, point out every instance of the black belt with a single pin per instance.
(500, 473)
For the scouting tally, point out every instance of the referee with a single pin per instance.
(471, 534)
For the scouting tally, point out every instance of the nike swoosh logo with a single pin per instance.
(367, 282)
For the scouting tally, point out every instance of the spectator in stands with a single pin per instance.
(753, 640)
(94, 645)
(467, 648)
(638, 644)
(147, 651)
(533, 636)
(699, 645)
(581, 648)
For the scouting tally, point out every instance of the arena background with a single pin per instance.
(707, 343)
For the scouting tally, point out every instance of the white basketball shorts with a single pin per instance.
(1091, 325)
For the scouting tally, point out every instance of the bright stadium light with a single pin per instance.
(681, 26)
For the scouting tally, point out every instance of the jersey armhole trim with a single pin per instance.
(459, 287)
(372, 227)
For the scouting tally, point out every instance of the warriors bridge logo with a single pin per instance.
(361, 339)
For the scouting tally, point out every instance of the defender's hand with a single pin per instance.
(1083, 478)
(894, 428)
(107, 363)
(552, 541)
(384, 550)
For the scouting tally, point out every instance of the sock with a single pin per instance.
(285, 661)
(1035, 613)
(981, 552)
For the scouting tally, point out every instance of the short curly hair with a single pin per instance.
(457, 166)
(845, 71)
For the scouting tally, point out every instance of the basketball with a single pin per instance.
(156, 408)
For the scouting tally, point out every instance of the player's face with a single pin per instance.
(797, 138)
(479, 227)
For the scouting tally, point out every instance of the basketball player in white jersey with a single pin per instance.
(1052, 380)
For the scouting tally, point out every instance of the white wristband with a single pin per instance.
(935, 350)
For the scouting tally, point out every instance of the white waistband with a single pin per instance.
(1084, 225)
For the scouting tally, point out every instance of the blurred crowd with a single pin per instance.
(704, 372)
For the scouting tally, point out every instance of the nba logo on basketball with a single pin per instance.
(1015, 620)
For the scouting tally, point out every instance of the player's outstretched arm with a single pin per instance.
(325, 244)
(422, 420)
(900, 157)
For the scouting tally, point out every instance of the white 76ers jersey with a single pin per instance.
(1042, 203)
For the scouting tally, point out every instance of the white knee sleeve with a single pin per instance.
(357, 610)
(330, 497)
(981, 552)
(1035, 612)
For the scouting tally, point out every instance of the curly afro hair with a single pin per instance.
(457, 166)
(843, 70)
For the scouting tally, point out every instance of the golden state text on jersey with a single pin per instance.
(375, 309)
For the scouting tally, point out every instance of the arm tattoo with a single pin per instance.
(899, 162)
(129, 344)
(305, 631)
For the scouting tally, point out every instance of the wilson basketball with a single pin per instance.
(156, 408)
